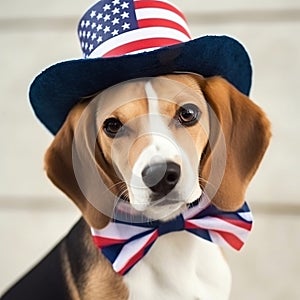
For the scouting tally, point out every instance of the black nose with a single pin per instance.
(161, 178)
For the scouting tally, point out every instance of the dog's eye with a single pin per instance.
(112, 127)
(188, 114)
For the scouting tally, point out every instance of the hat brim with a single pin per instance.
(57, 89)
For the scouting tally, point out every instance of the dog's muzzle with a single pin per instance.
(161, 178)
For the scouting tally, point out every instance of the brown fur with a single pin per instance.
(245, 127)
(97, 279)
(246, 131)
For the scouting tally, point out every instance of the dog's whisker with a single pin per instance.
(203, 183)
(117, 184)
(123, 195)
(121, 185)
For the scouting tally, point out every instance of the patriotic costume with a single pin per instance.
(135, 25)
(127, 39)
(125, 243)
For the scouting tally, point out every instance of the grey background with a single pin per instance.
(34, 215)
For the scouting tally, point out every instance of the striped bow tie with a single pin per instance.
(124, 244)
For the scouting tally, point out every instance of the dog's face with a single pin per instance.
(153, 136)
(159, 143)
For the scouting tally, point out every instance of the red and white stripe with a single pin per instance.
(160, 24)
(133, 252)
(124, 244)
(116, 233)
(222, 231)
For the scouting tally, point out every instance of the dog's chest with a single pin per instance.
(180, 266)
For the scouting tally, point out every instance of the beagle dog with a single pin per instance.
(159, 144)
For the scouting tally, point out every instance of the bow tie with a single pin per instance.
(124, 243)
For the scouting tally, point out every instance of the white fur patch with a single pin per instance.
(180, 266)
(163, 148)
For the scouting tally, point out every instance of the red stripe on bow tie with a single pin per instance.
(124, 244)
(101, 242)
(231, 239)
(238, 223)
(139, 255)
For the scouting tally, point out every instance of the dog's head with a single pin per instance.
(158, 143)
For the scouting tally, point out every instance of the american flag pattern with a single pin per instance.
(124, 244)
(117, 27)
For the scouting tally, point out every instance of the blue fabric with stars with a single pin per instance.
(105, 20)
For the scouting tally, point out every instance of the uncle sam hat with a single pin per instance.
(127, 39)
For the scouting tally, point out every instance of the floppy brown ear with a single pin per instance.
(59, 167)
(246, 133)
